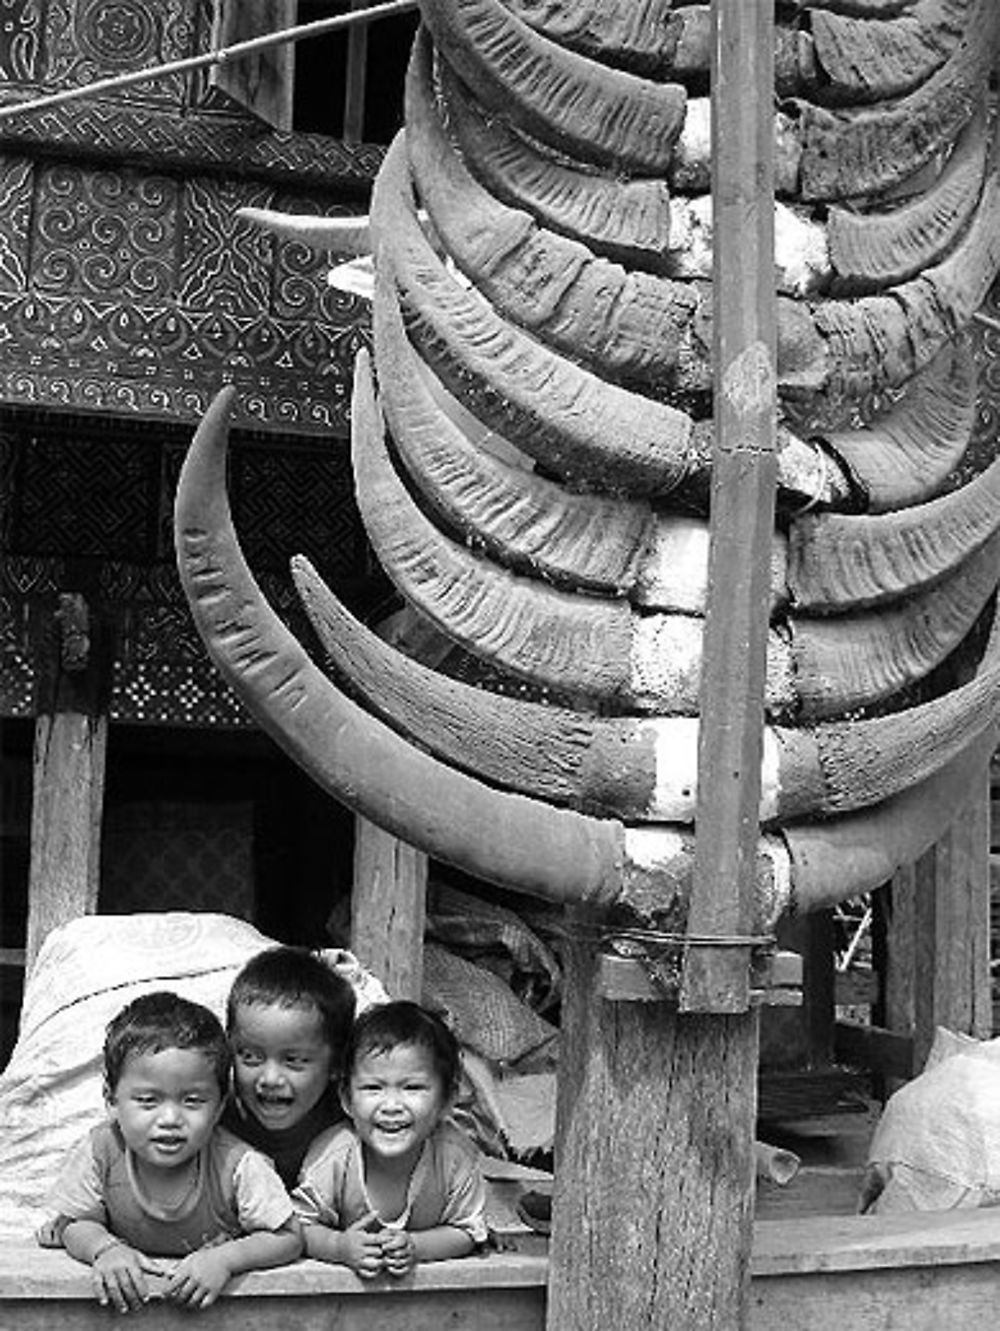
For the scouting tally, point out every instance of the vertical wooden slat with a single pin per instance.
(262, 81)
(388, 905)
(354, 92)
(938, 936)
(744, 472)
(71, 733)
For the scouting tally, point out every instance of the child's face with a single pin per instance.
(395, 1098)
(282, 1062)
(166, 1105)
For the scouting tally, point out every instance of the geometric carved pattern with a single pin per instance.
(89, 39)
(143, 295)
(104, 233)
(125, 134)
(20, 41)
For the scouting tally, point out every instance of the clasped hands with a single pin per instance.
(369, 1248)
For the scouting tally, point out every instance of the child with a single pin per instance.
(158, 1178)
(287, 1016)
(401, 1183)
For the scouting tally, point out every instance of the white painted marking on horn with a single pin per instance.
(675, 749)
(674, 571)
(652, 848)
(666, 663)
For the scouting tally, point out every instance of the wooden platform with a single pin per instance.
(925, 1272)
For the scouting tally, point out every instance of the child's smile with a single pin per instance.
(395, 1099)
(281, 1061)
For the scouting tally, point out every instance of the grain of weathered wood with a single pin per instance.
(68, 771)
(388, 906)
(938, 935)
(936, 1272)
(744, 478)
(654, 1172)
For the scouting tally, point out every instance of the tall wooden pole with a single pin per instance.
(71, 734)
(653, 1205)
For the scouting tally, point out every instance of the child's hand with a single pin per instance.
(119, 1276)
(398, 1251)
(199, 1278)
(362, 1248)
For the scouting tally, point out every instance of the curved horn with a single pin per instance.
(595, 648)
(627, 220)
(882, 249)
(528, 521)
(509, 840)
(635, 327)
(559, 97)
(905, 455)
(865, 59)
(842, 664)
(847, 154)
(339, 235)
(570, 421)
(837, 560)
(845, 857)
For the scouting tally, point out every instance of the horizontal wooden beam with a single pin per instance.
(872, 1047)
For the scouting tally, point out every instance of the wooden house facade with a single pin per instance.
(130, 292)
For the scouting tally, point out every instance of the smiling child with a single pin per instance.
(400, 1183)
(159, 1178)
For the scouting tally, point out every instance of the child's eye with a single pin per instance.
(145, 1101)
(194, 1101)
(248, 1056)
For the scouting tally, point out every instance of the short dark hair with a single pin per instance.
(164, 1020)
(380, 1029)
(295, 977)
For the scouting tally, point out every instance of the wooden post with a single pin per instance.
(354, 90)
(744, 478)
(653, 1204)
(68, 780)
(654, 1163)
(388, 909)
(938, 935)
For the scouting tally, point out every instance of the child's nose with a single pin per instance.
(270, 1073)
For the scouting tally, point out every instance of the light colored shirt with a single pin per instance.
(445, 1188)
(235, 1190)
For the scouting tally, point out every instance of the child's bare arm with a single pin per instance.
(199, 1279)
(119, 1271)
(403, 1250)
(357, 1246)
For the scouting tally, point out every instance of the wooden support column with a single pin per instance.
(654, 1163)
(653, 1203)
(938, 935)
(68, 779)
(388, 904)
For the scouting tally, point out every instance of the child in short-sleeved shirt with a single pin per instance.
(159, 1178)
(400, 1183)
(288, 1016)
